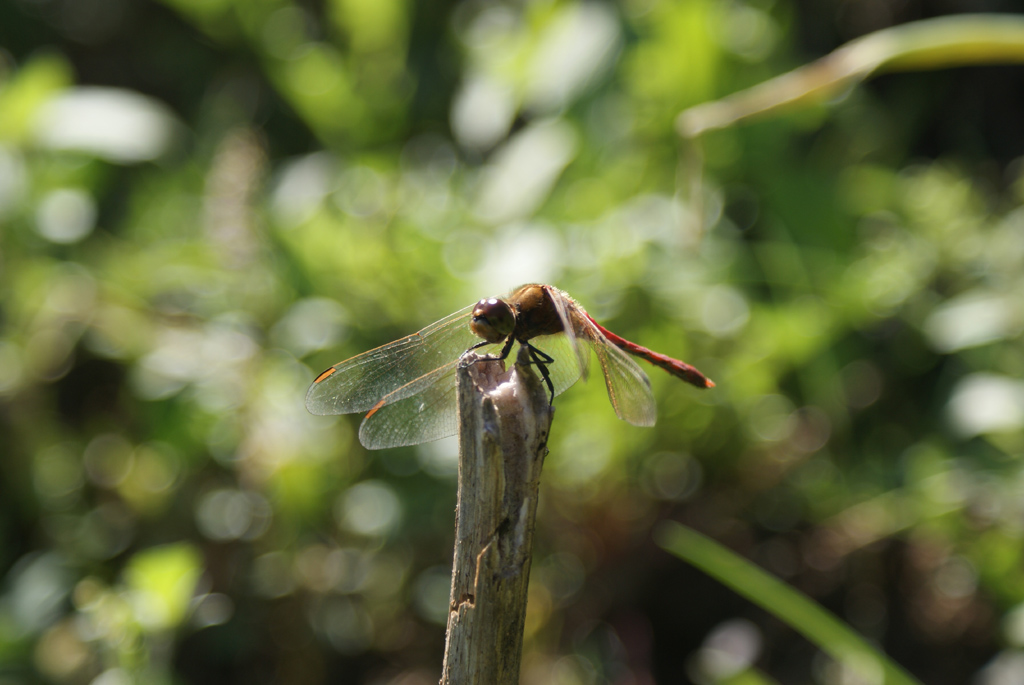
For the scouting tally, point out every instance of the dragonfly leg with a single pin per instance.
(491, 357)
(542, 360)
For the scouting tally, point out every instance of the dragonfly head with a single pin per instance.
(493, 320)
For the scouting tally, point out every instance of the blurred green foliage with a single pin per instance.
(202, 204)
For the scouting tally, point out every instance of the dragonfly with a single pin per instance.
(407, 387)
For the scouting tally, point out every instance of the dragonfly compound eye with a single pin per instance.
(493, 320)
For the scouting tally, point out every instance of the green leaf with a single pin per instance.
(788, 605)
(939, 43)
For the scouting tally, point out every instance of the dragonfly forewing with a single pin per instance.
(361, 382)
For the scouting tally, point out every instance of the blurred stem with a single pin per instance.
(950, 41)
(790, 606)
(503, 428)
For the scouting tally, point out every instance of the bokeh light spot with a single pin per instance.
(369, 508)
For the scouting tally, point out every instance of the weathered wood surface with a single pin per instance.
(504, 422)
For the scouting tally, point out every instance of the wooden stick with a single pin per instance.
(504, 419)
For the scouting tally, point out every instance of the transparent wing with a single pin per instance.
(572, 324)
(628, 386)
(426, 408)
(422, 410)
(359, 383)
(427, 414)
(567, 366)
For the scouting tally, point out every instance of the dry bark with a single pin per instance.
(504, 419)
